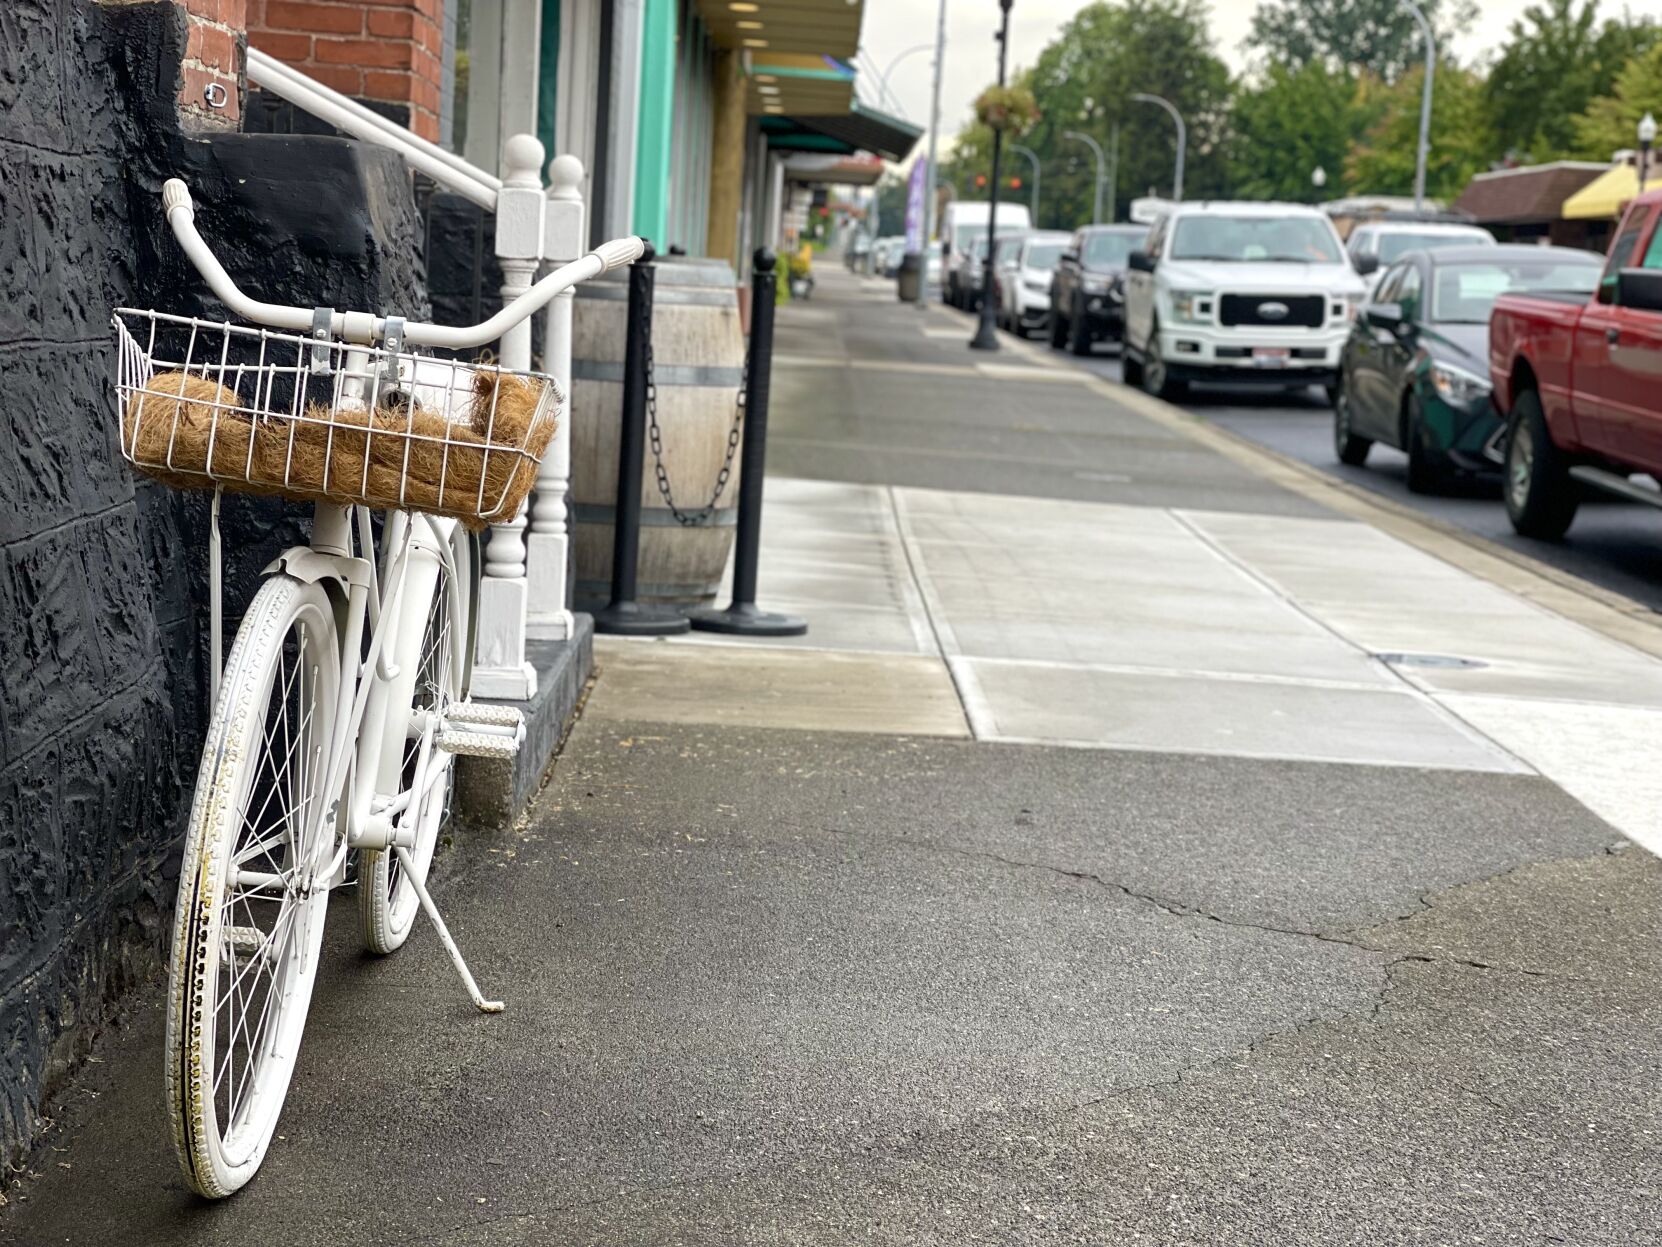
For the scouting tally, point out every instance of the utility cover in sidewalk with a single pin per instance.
(1428, 660)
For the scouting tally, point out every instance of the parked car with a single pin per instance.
(1238, 291)
(1024, 280)
(1374, 246)
(889, 252)
(1580, 379)
(961, 225)
(1415, 371)
(1087, 290)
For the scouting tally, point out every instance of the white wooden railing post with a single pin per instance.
(550, 541)
(500, 668)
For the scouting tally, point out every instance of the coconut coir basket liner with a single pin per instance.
(193, 433)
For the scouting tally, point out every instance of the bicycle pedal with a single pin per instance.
(478, 744)
(482, 714)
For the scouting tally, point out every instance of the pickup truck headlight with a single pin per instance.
(1185, 305)
(1095, 285)
(1353, 306)
(1456, 385)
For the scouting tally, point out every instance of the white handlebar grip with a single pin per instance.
(619, 252)
(175, 194)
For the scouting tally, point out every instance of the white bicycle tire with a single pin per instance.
(222, 1140)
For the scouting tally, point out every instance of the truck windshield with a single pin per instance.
(1302, 240)
(1109, 250)
(1464, 293)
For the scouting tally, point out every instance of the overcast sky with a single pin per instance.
(893, 26)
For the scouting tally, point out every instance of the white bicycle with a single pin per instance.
(345, 697)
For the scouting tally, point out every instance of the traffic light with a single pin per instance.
(1015, 184)
(980, 181)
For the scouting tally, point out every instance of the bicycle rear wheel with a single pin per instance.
(434, 656)
(249, 919)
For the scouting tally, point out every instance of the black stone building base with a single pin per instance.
(491, 795)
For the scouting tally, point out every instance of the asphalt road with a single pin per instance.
(1613, 544)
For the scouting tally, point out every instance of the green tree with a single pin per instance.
(1610, 123)
(1084, 81)
(1289, 124)
(1558, 58)
(1382, 163)
(1372, 36)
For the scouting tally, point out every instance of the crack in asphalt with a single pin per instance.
(1178, 909)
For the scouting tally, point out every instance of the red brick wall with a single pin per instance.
(382, 50)
(213, 56)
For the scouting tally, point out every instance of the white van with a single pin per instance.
(962, 226)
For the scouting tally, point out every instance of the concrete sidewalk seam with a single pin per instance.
(1425, 698)
(1556, 592)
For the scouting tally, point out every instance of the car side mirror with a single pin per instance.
(1640, 288)
(1071, 255)
(1366, 264)
(1386, 316)
(1141, 262)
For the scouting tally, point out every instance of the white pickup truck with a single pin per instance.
(1259, 292)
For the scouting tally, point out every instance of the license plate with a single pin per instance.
(1271, 356)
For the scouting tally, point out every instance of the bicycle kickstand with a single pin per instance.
(414, 879)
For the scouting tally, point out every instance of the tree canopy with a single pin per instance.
(1557, 60)
(1336, 87)
(1375, 36)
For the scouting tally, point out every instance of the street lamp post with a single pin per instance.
(1318, 179)
(1647, 136)
(1096, 150)
(929, 174)
(1425, 102)
(986, 332)
(1032, 157)
(1182, 137)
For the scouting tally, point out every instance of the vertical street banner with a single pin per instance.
(914, 208)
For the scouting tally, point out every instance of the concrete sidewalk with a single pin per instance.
(1109, 864)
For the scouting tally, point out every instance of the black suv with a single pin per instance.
(1087, 291)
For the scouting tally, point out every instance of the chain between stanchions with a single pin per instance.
(700, 517)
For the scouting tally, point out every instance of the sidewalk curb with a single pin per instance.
(1602, 611)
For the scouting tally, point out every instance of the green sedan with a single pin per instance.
(1414, 373)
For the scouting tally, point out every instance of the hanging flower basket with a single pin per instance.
(1010, 109)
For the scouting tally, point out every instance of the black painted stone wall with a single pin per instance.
(103, 663)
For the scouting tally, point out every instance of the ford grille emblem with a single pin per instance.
(1273, 311)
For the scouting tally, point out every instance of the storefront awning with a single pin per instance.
(1604, 197)
(861, 129)
(831, 27)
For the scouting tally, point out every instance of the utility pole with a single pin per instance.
(1114, 175)
(929, 176)
(1182, 136)
(986, 333)
(1425, 102)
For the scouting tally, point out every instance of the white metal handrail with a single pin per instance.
(446, 168)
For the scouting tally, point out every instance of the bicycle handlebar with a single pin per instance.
(364, 327)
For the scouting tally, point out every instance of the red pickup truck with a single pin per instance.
(1580, 383)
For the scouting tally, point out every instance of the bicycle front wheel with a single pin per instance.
(249, 919)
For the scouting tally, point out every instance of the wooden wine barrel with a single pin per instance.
(698, 356)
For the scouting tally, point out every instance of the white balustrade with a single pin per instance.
(500, 667)
(550, 540)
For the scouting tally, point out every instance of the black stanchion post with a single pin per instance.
(743, 618)
(623, 615)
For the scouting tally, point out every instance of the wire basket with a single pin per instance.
(204, 404)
